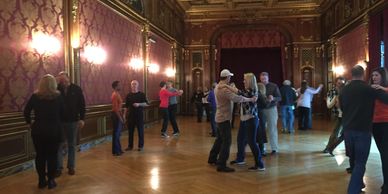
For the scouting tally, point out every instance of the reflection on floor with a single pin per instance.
(179, 165)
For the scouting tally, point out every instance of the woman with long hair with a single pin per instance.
(380, 122)
(332, 102)
(261, 137)
(46, 132)
(248, 125)
(306, 94)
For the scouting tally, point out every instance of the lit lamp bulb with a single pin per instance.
(339, 70)
(170, 72)
(136, 64)
(95, 55)
(153, 68)
(45, 44)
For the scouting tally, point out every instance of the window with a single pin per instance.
(382, 47)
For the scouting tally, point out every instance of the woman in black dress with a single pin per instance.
(46, 132)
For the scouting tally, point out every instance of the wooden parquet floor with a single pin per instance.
(179, 165)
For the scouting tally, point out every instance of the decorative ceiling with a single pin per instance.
(202, 10)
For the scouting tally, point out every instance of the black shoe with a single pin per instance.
(349, 170)
(42, 184)
(71, 171)
(256, 168)
(212, 163)
(51, 184)
(237, 162)
(58, 173)
(213, 135)
(331, 153)
(325, 151)
(274, 152)
(128, 148)
(225, 169)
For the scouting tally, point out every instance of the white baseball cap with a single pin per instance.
(225, 73)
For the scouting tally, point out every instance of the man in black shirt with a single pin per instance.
(73, 120)
(135, 103)
(357, 104)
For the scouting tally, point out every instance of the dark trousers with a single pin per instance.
(207, 108)
(172, 109)
(221, 146)
(199, 107)
(380, 133)
(166, 118)
(136, 121)
(46, 155)
(336, 136)
(213, 120)
(247, 135)
(358, 143)
(304, 119)
(117, 127)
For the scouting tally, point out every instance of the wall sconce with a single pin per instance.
(95, 55)
(151, 40)
(136, 64)
(153, 68)
(45, 44)
(339, 70)
(170, 72)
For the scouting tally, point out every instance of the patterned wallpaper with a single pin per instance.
(161, 54)
(20, 66)
(120, 38)
(349, 55)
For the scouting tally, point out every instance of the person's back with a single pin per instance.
(224, 104)
(357, 102)
(288, 96)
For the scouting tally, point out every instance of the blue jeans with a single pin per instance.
(358, 144)
(221, 146)
(287, 118)
(305, 121)
(117, 127)
(172, 109)
(70, 131)
(213, 120)
(247, 135)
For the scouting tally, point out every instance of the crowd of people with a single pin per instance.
(360, 110)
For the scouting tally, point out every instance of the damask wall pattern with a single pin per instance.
(21, 67)
(161, 54)
(349, 55)
(122, 41)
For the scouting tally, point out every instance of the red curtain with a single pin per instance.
(254, 60)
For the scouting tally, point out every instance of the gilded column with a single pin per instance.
(75, 69)
(146, 52)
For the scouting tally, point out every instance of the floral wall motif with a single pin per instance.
(21, 67)
(122, 41)
(349, 55)
(161, 54)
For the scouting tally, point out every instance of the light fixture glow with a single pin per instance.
(45, 44)
(136, 64)
(75, 43)
(95, 55)
(170, 72)
(339, 70)
(153, 68)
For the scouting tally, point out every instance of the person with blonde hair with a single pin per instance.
(46, 132)
(249, 121)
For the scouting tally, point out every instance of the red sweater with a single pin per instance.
(381, 112)
(164, 96)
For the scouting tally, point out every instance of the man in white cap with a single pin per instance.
(225, 96)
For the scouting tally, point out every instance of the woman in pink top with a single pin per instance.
(380, 122)
(164, 96)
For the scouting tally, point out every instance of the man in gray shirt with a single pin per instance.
(225, 96)
(172, 108)
(271, 112)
